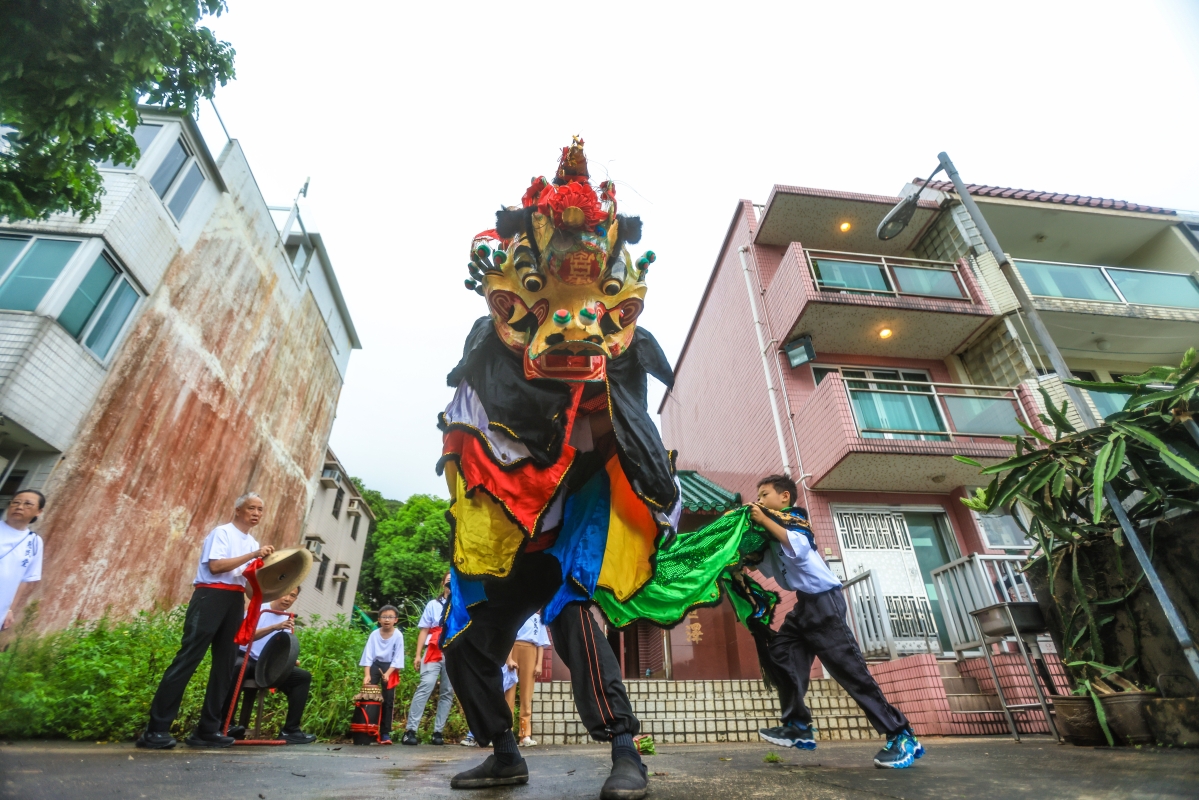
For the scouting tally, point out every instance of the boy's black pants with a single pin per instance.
(387, 710)
(817, 627)
(213, 618)
(475, 656)
(295, 687)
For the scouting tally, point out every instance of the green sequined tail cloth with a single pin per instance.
(695, 570)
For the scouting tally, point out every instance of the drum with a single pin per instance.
(368, 708)
(276, 659)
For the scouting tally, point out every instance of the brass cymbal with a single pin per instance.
(282, 571)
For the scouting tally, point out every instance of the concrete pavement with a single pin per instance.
(981, 768)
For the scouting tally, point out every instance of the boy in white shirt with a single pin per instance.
(273, 619)
(381, 662)
(20, 550)
(816, 627)
(430, 662)
(214, 615)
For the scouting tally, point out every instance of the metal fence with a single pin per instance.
(869, 616)
(975, 582)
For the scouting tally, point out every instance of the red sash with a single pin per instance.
(249, 625)
(433, 650)
(230, 587)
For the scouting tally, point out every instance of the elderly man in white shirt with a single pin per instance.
(20, 550)
(214, 615)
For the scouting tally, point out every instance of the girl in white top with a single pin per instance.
(20, 550)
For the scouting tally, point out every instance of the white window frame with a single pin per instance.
(173, 189)
(73, 273)
(1027, 545)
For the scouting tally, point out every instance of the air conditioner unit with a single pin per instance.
(330, 478)
(314, 545)
(355, 508)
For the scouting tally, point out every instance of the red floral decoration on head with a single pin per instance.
(556, 201)
(533, 193)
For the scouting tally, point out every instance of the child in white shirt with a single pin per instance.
(381, 662)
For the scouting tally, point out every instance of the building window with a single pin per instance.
(177, 179)
(341, 590)
(354, 528)
(29, 267)
(144, 135)
(322, 573)
(1002, 532)
(100, 304)
(341, 495)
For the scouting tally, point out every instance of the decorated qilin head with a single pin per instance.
(560, 282)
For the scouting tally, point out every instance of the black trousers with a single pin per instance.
(475, 656)
(294, 687)
(213, 617)
(817, 627)
(387, 710)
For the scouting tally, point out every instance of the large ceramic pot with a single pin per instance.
(1125, 714)
(1077, 721)
(1174, 721)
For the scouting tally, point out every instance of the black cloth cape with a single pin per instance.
(535, 410)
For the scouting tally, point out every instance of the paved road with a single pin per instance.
(979, 768)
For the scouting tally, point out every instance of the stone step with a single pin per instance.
(948, 669)
(962, 685)
(701, 711)
(959, 703)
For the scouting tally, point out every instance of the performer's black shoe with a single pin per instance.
(627, 781)
(297, 737)
(237, 732)
(438, 738)
(214, 739)
(156, 740)
(490, 773)
(409, 738)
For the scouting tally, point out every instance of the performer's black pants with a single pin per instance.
(817, 627)
(387, 710)
(295, 687)
(475, 656)
(213, 617)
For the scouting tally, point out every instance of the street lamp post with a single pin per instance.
(898, 219)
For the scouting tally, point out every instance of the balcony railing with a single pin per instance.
(937, 412)
(1109, 284)
(868, 616)
(975, 582)
(860, 273)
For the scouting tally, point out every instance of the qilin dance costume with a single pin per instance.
(559, 482)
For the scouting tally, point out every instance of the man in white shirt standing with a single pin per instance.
(274, 619)
(20, 550)
(431, 663)
(816, 627)
(214, 615)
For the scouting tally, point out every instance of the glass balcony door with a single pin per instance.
(894, 404)
(1109, 284)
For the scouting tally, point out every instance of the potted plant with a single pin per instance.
(1104, 619)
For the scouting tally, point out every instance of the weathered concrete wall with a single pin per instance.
(226, 384)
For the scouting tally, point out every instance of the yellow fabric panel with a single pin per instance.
(485, 540)
(631, 534)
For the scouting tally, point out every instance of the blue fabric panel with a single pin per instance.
(581, 543)
(464, 593)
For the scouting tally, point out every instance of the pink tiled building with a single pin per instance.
(861, 367)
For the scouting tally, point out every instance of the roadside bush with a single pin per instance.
(94, 681)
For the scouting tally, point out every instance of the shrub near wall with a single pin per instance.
(95, 680)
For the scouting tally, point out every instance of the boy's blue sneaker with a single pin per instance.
(900, 752)
(801, 736)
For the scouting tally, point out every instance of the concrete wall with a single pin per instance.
(222, 386)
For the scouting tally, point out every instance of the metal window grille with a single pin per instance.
(873, 530)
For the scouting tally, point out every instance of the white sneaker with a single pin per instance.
(528, 742)
(469, 741)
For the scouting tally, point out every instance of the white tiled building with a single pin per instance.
(185, 346)
(335, 534)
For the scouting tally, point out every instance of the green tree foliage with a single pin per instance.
(71, 75)
(412, 549)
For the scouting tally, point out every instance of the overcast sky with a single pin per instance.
(416, 121)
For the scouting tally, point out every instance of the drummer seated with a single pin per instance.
(295, 686)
